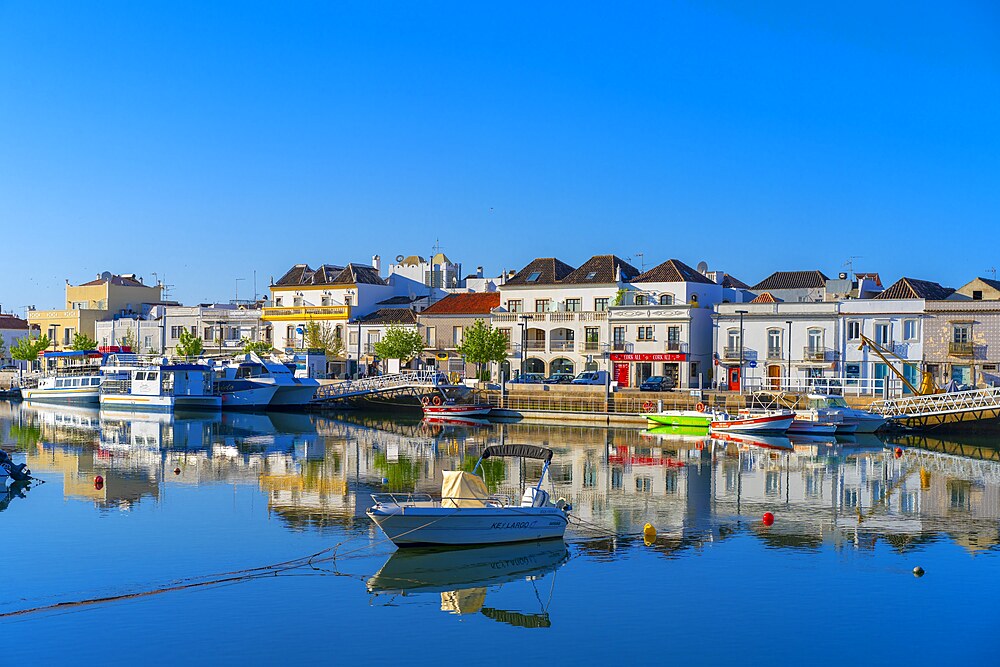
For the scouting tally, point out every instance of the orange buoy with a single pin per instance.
(98, 482)
(768, 519)
(177, 471)
(700, 407)
(899, 452)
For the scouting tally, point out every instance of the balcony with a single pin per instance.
(810, 353)
(590, 346)
(561, 345)
(961, 349)
(308, 313)
(675, 346)
(621, 346)
(535, 345)
(561, 316)
(775, 353)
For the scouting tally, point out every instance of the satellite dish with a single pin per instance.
(702, 267)
(399, 258)
(107, 275)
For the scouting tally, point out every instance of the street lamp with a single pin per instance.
(789, 378)
(741, 313)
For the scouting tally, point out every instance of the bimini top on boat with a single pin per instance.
(468, 514)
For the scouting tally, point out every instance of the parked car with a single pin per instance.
(657, 383)
(559, 378)
(529, 378)
(592, 377)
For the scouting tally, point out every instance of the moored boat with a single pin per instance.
(467, 514)
(854, 420)
(450, 408)
(813, 422)
(774, 421)
(72, 377)
(680, 418)
(290, 391)
(135, 383)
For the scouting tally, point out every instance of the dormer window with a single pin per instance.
(591, 275)
(534, 276)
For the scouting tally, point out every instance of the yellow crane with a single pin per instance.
(927, 385)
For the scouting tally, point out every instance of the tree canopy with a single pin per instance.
(259, 347)
(399, 343)
(27, 348)
(189, 344)
(482, 344)
(82, 341)
(322, 336)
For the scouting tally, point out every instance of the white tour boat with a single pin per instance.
(468, 514)
(135, 383)
(72, 377)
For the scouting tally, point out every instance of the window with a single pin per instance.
(733, 339)
(429, 334)
(640, 299)
(352, 338)
(208, 333)
(852, 373)
(646, 333)
(194, 330)
(326, 300)
(674, 334)
(619, 335)
(456, 336)
(909, 329)
(600, 304)
(290, 335)
(882, 333)
(175, 332)
(815, 337)
(68, 336)
(853, 330)
(514, 306)
(277, 300)
(960, 333)
(977, 295)
(297, 301)
(534, 276)
(347, 300)
(506, 335)
(773, 343)
(573, 305)
(541, 305)
(591, 275)
(592, 337)
(666, 299)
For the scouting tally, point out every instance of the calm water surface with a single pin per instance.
(829, 583)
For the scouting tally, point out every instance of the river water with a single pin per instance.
(165, 562)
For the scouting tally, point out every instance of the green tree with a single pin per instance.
(322, 336)
(27, 348)
(260, 347)
(481, 345)
(129, 340)
(3, 348)
(399, 343)
(82, 341)
(188, 344)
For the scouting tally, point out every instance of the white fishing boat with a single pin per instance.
(771, 421)
(468, 514)
(290, 391)
(132, 382)
(854, 420)
(71, 377)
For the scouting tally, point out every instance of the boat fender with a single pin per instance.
(648, 534)
(425, 400)
(647, 406)
(700, 407)
(437, 400)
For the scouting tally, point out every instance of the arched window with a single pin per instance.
(640, 299)
(666, 299)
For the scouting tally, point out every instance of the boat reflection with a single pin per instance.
(463, 577)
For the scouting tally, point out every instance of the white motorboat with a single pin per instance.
(468, 514)
(450, 408)
(862, 421)
(815, 422)
(290, 391)
(769, 421)
(132, 382)
(72, 377)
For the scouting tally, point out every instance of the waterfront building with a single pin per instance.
(438, 272)
(443, 324)
(368, 330)
(962, 335)
(662, 325)
(12, 328)
(558, 315)
(222, 328)
(107, 296)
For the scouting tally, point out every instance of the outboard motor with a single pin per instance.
(16, 471)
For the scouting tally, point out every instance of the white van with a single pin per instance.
(592, 377)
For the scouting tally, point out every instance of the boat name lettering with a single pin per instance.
(516, 525)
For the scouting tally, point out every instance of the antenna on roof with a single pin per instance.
(849, 264)
(992, 270)
(702, 267)
(642, 260)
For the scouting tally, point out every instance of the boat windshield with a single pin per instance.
(828, 402)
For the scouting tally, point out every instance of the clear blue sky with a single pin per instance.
(206, 140)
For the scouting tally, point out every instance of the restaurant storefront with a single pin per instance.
(631, 369)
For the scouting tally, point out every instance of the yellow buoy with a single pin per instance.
(925, 478)
(649, 532)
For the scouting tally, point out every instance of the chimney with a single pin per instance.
(479, 272)
(377, 263)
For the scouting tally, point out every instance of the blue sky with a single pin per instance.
(204, 141)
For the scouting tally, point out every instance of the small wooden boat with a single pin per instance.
(468, 514)
(775, 421)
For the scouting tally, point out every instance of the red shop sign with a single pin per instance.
(657, 356)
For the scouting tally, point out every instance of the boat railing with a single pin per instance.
(413, 499)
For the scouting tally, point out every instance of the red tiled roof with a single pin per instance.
(13, 322)
(792, 280)
(766, 297)
(911, 288)
(672, 271)
(472, 303)
(115, 280)
(390, 316)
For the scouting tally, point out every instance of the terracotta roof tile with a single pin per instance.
(13, 322)
(766, 297)
(330, 274)
(792, 280)
(600, 270)
(549, 269)
(672, 271)
(115, 280)
(390, 316)
(912, 288)
(732, 282)
(473, 303)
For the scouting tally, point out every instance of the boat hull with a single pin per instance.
(436, 526)
(769, 424)
(245, 395)
(288, 395)
(160, 403)
(806, 427)
(88, 396)
(457, 410)
(682, 419)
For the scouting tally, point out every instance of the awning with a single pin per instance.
(527, 451)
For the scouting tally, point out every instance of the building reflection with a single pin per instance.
(318, 471)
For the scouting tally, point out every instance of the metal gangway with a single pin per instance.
(932, 410)
(379, 384)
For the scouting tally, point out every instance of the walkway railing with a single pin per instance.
(841, 386)
(377, 383)
(937, 404)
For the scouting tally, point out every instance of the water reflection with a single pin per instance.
(317, 472)
(464, 577)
